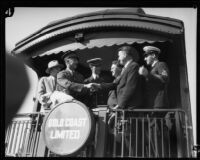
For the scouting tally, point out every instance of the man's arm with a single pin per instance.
(63, 80)
(162, 76)
(41, 90)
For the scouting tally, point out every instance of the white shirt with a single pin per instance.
(125, 66)
(95, 76)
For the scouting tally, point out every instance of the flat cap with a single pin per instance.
(94, 62)
(69, 54)
(151, 49)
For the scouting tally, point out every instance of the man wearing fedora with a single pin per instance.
(69, 80)
(100, 97)
(47, 85)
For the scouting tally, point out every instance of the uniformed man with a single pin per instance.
(69, 80)
(157, 78)
(100, 97)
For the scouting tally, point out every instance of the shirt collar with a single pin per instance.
(154, 63)
(129, 61)
(95, 76)
(70, 71)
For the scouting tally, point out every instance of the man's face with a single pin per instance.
(115, 70)
(96, 69)
(122, 57)
(72, 63)
(149, 59)
(54, 71)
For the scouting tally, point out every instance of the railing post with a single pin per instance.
(178, 135)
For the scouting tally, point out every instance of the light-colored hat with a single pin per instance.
(53, 64)
(151, 49)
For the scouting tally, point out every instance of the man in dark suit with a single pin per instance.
(129, 87)
(116, 69)
(69, 80)
(96, 98)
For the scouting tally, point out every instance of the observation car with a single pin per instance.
(71, 129)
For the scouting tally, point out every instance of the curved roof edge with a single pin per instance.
(134, 13)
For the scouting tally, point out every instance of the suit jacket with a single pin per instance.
(96, 98)
(45, 85)
(71, 84)
(156, 88)
(129, 87)
(112, 96)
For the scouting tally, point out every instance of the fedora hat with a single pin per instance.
(53, 64)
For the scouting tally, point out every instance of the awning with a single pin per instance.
(99, 43)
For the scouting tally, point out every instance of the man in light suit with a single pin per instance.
(47, 85)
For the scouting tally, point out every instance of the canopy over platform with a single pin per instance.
(132, 19)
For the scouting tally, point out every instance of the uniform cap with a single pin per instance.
(150, 50)
(94, 62)
(69, 54)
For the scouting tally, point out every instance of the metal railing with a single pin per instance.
(22, 135)
(142, 133)
(134, 133)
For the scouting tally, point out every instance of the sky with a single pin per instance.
(27, 20)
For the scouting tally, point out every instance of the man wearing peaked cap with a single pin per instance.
(69, 54)
(151, 49)
(47, 85)
(157, 78)
(156, 84)
(100, 97)
(69, 80)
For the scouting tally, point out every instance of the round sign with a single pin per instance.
(68, 127)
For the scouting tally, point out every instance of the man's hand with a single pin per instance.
(116, 107)
(45, 98)
(143, 71)
(111, 119)
(93, 86)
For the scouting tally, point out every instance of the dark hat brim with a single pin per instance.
(59, 65)
(69, 55)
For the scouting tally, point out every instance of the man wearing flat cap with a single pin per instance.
(69, 80)
(47, 85)
(100, 97)
(157, 78)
